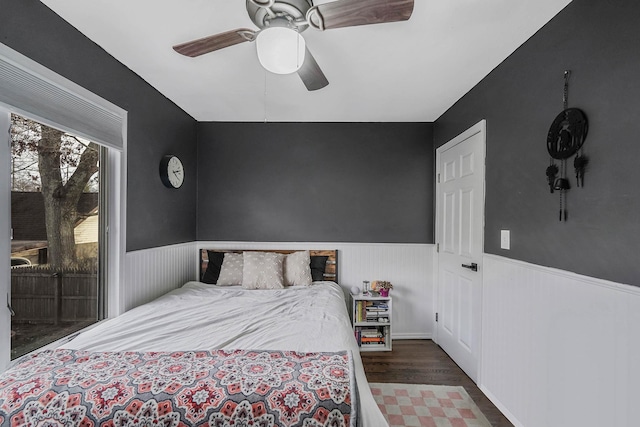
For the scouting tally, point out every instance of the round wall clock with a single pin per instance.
(171, 171)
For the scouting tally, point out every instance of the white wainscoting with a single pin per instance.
(559, 349)
(153, 272)
(408, 266)
(150, 273)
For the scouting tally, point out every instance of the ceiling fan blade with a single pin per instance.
(311, 74)
(218, 41)
(349, 13)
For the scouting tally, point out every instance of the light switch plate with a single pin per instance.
(505, 239)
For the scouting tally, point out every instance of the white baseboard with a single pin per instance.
(410, 336)
(501, 407)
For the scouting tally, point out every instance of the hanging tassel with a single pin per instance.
(552, 171)
(580, 164)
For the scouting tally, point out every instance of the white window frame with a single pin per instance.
(5, 245)
(107, 125)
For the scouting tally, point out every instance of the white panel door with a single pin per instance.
(459, 233)
(5, 241)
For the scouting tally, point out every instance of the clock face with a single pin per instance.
(172, 172)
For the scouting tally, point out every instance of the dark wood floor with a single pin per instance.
(424, 362)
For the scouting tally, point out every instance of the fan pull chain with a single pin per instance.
(298, 52)
(265, 96)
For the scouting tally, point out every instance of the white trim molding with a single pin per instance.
(5, 241)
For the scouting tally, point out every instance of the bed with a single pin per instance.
(220, 355)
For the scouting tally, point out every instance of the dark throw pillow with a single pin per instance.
(318, 264)
(213, 267)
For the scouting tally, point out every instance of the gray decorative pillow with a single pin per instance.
(231, 270)
(297, 269)
(262, 270)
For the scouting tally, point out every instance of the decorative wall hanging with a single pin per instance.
(565, 139)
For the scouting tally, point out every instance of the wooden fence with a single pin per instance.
(40, 296)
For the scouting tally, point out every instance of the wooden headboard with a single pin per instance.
(330, 272)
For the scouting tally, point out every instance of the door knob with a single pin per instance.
(473, 266)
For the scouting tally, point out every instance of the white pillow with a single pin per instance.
(297, 269)
(231, 270)
(262, 270)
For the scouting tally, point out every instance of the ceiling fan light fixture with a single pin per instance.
(281, 50)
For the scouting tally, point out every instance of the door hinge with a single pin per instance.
(436, 317)
(438, 178)
(437, 247)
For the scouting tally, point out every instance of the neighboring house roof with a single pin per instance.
(27, 213)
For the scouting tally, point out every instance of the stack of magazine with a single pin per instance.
(377, 311)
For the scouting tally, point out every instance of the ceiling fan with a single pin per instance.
(281, 48)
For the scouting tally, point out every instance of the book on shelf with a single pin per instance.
(379, 320)
(379, 306)
(366, 310)
(371, 335)
(377, 314)
(371, 346)
(372, 340)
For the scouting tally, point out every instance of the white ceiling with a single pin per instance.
(410, 71)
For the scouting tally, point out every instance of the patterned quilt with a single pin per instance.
(238, 388)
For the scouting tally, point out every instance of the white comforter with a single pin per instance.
(201, 317)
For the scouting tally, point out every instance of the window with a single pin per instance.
(57, 234)
(38, 94)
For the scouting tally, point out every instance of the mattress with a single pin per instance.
(199, 316)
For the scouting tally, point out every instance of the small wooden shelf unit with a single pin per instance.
(371, 318)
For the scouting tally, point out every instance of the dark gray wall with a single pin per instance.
(156, 216)
(599, 41)
(315, 182)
